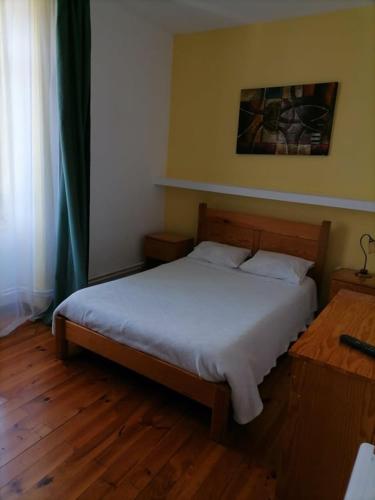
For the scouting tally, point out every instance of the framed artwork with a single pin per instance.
(291, 120)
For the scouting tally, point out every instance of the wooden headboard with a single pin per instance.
(267, 233)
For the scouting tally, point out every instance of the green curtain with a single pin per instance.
(73, 74)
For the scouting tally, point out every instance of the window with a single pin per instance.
(28, 158)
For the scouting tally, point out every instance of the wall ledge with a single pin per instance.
(308, 199)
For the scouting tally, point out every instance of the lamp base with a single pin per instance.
(363, 273)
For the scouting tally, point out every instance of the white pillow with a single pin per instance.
(278, 265)
(220, 254)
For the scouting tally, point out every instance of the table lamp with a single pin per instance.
(363, 273)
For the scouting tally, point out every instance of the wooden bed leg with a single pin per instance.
(61, 342)
(220, 414)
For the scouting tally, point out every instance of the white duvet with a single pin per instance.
(219, 323)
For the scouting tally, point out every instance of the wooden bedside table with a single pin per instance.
(166, 247)
(331, 401)
(347, 279)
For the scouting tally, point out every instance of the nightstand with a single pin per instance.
(331, 402)
(166, 247)
(346, 278)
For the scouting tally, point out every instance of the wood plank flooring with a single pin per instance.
(89, 429)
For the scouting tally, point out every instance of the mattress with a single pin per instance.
(219, 323)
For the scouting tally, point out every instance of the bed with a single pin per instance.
(208, 332)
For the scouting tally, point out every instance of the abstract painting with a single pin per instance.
(292, 120)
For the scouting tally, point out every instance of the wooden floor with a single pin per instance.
(90, 429)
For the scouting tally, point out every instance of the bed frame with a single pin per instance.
(252, 231)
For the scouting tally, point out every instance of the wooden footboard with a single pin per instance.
(216, 396)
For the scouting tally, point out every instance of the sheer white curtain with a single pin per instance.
(28, 159)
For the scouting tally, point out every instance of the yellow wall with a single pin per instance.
(210, 68)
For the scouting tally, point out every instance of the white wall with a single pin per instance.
(131, 66)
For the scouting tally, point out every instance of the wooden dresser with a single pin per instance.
(332, 401)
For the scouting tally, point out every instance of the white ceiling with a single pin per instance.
(184, 16)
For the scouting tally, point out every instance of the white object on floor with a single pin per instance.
(216, 322)
(362, 481)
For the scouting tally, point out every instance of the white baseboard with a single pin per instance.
(122, 273)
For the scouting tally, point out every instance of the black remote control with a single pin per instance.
(358, 344)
